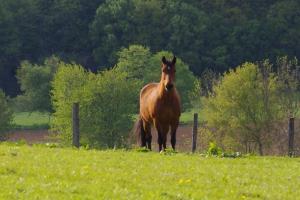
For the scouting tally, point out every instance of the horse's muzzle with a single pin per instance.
(169, 87)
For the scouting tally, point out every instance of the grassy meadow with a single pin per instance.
(187, 117)
(41, 172)
(37, 120)
(34, 120)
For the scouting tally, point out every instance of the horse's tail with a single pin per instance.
(136, 130)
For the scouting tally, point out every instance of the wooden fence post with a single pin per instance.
(194, 133)
(75, 119)
(291, 137)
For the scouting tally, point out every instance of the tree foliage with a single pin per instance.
(106, 105)
(5, 115)
(135, 60)
(35, 81)
(288, 85)
(244, 105)
(214, 34)
(142, 65)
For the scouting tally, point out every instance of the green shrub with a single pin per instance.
(244, 105)
(107, 103)
(5, 115)
(35, 81)
(214, 150)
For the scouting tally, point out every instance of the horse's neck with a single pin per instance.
(163, 94)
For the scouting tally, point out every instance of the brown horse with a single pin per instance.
(160, 107)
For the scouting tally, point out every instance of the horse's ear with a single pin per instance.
(174, 60)
(164, 60)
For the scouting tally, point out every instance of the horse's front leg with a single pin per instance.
(173, 134)
(159, 134)
(164, 140)
(159, 140)
(173, 139)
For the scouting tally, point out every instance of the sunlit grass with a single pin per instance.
(55, 173)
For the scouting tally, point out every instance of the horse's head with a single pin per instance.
(168, 73)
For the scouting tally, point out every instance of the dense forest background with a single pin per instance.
(215, 34)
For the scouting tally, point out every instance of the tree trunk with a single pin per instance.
(260, 148)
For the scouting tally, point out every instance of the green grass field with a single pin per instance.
(187, 117)
(35, 120)
(40, 172)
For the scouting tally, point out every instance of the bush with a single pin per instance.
(35, 81)
(214, 150)
(107, 103)
(243, 106)
(5, 115)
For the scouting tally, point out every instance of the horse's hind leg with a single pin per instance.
(148, 141)
(143, 135)
(148, 135)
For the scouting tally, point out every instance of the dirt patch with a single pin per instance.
(183, 139)
(184, 135)
(32, 136)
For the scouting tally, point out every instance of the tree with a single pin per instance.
(195, 96)
(138, 62)
(35, 81)
(134, 60)
(283, 28)
(214, 34)
(244, 105)
(32, 30)
(106, 105)
(5, 115)
(288, 85)
(112, 109)
(208, 79)
(186, 39)
(110, 28)
(9, 49)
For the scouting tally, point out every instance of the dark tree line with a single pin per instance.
(213, 34)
